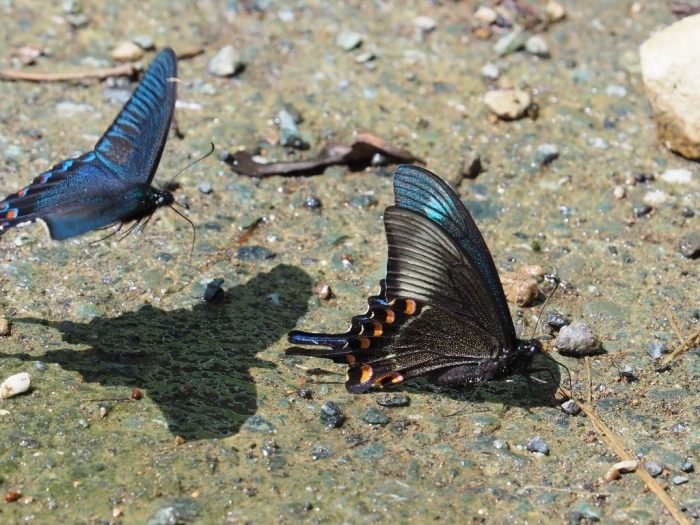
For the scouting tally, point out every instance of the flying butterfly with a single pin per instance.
(112, 184)
(441, 311)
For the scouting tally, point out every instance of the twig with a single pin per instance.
(190, 53)
(570, 491)
(587, 361)
(612, 441)
(105, 399)
(123, 70)
(685, 345)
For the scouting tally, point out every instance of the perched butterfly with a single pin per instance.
(441, 311)
(112, 184)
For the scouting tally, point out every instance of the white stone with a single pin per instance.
(655, 197)
(671, 73)
(679, 175)
(127, 52)
(508, 104)
(485, 15)
(424, 23)
(619, 192)
(226, 63)
(490, 71)
(16, 384)
(555, 11)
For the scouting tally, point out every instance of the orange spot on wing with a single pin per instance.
(365, 373)
(377, 329)
(350, 359)
(411, 306)
(11, 214)
(390, 378)
(365, 343)
(390, 316)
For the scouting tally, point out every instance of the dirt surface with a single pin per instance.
(222, 434)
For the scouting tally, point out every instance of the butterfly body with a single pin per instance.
(441, 312)
(112, 184)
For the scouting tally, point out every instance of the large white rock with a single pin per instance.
(670, 62)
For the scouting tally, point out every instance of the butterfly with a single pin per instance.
(441, 310)
(111, 184)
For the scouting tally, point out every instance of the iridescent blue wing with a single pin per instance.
(423, 192)
(112, 183)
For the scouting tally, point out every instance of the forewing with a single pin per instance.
(132, 146)
(421, 191)
(427, 265)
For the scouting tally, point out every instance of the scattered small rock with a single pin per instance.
(331, 415)
(670, 78)
(655, 198)
(653, 468)
(511, 42)
(127, 52)
(4, 327)
(15, 385)
(679, 480)
(679, 176)
(619, 193)
(520, 288)
(622, 467)
(627, 373)
(577, 339)
(348, 40)
(254, 253)
(508, 104)
(136, 394)
(311, 202)
(656, 350)
(471, 164)
(546, 153)
(321, 451)
(365, 57)
(226, 63)
(538, 446)
(687, 467)
(490, 71)
(616, 91)
(536, 45)
(375, 417)
(204, 187)
(393, 400)
(103, 412)
(554, 11)
(213, 292)
(570, 407)
(690, 245)
(290, 137)
(324, 291)
(424, 23)
(182, 510)
(145, 42)
(642, 211)
(485, 15)
(597, 143)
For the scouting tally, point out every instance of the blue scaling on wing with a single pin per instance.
(112, 183)
(421, 191)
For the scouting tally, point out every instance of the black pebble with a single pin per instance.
(556, 321)
(537, 445)
(312, 203)
(254, 253)
(213, 292)
(393, 400)
(375, 417)
(331, 415)
(642, 211)
(305, 393)
(687, 467)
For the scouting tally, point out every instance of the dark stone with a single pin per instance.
(312, 203)
(393, 400)
(537, 445)
(642, 211)
(570, 407)
(653, 468)
(331, 415)
(687, 467)
(321, 451)
(690, 245)
(556, 321)
(214, 293)
(375, 417)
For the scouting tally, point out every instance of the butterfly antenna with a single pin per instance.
(117, 230)
(557, 282)
(194, 231)
(191, 164)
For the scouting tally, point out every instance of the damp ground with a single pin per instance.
(222, 434)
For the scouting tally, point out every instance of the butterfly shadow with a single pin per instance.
(194, 363)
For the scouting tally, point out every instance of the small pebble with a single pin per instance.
(656, 350)
(556, 321)
(365, 57)
(577, 339)
(616, 91)
(538, 446)
(555, 11)
(311, 202)
(214, 293)
(655, 198)
(485, 15)
(226, 63)
(687, 212)
(597, 143)
(331, 415)
(324, 291)
(508, 104)
(103, 412)
(520, 288)
(687, 467)
(136, 394)
(72, 7)
(500, 444)
(179, 440)
(348, 40)
(570, 407)
(127, 52)
(204, 187)
(653, 468)
(393, 400)
(679, 480)
(274, 298)
(4, 327)
(689, 245)
(424, 23)
(619, 193)
(375, 417)
(254, 253)
(546, 153)
(536, 45)
(622, 467)
(471, 164)
(679, 176)
(510, 42)
(14, 385)
(490, 71)
(321, 451)
(642, 211)
(305, 393)
(145, 42)
(627, 373)
(290, 137)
